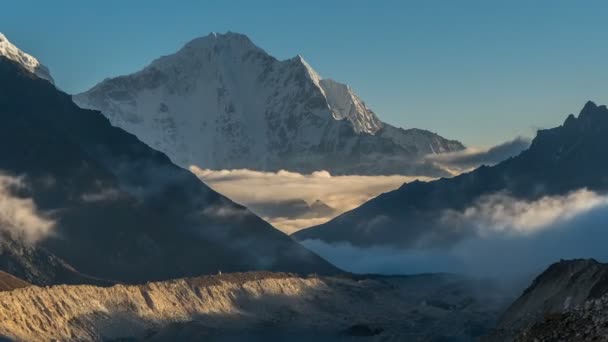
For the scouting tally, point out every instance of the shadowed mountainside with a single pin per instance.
(120, 210)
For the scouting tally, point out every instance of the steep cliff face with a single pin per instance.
(221, 307)
(221, 102)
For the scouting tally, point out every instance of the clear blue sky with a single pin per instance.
(478, 71)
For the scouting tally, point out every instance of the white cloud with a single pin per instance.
(511, 238)
(19, 216)
(342, 193)
(503, 213)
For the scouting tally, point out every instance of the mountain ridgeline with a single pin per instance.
(221, 102)
(120, 211)
(560, 160)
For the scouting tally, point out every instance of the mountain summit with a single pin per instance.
(30, 63)
(221, 102)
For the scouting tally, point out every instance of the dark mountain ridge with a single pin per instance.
(122, 211)
(559, 160)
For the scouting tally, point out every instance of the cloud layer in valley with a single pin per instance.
(288, 200)
(19, 216)
(511, 237)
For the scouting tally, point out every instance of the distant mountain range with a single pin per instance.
(560, 160)
(110, 208)
(221, 102)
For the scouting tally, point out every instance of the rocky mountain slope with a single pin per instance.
(562, 287)
(94, 203)
(586, 322)
(560, 160)
(562, 298)
(256, 306)
(221, 102)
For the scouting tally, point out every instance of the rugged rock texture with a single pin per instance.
(586, 322)
(110, 206)
(560, 160)
(561, 300)
(221, 102)
(253, 305)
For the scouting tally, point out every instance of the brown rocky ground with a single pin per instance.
(9, 282)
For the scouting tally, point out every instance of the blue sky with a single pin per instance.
(478, 71)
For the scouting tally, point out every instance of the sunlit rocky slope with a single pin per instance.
(275, 306)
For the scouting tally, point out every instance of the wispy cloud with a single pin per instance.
(255, 189)
(226, 211)
(471, 158)
(104, 194)
(19, 216)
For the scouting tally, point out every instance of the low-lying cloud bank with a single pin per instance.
(511, 237)
(471, 158)
(292, 201)
(19, 216)
(501, 213)
(278, 196)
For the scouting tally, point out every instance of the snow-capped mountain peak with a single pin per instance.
(314, 76)
(223, 102)
(30, 63)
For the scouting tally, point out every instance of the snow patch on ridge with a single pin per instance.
(30, 63)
